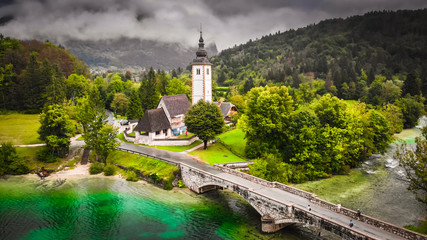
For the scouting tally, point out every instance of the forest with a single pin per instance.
(347, 54)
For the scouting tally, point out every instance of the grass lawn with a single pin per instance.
(182, 136)
(19, 128)
(29, 155)
(144, 164)
(216, 153)
(343, 188)
(235, 139)
(407, 135)
(178, 148)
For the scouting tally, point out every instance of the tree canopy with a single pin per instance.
(55, 129)
(414, 163)
(204, 119)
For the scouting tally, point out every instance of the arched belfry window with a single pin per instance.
(198, 71)
(207, 71)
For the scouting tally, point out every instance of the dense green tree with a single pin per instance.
(55, 91)
(176, 86)
(269, 167)
(249, 84)
(266, 119)
(379, 127)
(163, 82)
(6, 78)
(77, 86)
(412, 85)
(148, 91)
(10, 161)
(135, 107)
(120, 103)
(204, 120)
(304, 141)
(97, 133)
(105, 142)
(56, 129)
(394, 116)
(390, 92)
(331, 110)
(90, 112)
(412, 110)
(32, 86)
(414, 162)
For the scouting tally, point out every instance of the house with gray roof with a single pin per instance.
(164, 121)
(227, 110)
(175, 107)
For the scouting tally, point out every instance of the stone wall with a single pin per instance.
(402, 232)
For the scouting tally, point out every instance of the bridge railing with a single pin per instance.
(355, 232)
(408, 234)
(402, 232)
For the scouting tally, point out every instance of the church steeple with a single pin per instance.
(201, 74)
(201, 52)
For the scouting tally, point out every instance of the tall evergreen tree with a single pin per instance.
(6, 78)
(249, 84)
(163, 82)
(135, 107)
(148, 91)
(32, 86)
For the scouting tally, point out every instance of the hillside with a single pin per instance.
(33, 73)
(134, 54)
(335, 50)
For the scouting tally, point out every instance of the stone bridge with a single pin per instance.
(277, 214)
(279, 205)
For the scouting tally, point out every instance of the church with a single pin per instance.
(160, 126)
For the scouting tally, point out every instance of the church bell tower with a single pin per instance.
(202, 75)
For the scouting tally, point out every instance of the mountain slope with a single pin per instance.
(126, 53)
(387, 43)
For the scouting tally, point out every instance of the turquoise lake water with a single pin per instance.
(111, 208)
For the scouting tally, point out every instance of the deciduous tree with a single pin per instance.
(414, 162)
(56, 129)
(205, 120)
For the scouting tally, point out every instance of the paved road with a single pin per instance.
(274, 193)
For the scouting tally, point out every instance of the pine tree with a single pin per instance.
(148, 91)
(32, 87)
(135, 106)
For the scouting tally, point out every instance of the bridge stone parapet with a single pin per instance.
(402, 232)
(275, 214)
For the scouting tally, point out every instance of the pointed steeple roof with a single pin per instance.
(201, 54)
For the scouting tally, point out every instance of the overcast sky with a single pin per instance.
(225, 22)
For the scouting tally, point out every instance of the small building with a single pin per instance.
(175, 107)
(154, 125)
(227, 110)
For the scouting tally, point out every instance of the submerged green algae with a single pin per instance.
(108, 208)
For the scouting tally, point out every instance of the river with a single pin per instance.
(112, 208)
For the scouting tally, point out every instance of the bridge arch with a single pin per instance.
(273, 215)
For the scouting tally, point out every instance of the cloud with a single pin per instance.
(225, 22)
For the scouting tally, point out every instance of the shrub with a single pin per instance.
(109, 170)
(181, 184)
(96, 168)
(155, 177)
(131, 176)
(168, 184)
(10, 161)
(45, 155)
